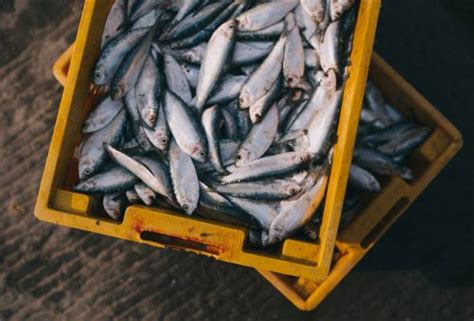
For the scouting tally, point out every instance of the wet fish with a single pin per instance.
(406, 142)
(263, 190)
(161, 175)
(264, 213)
(113, 54)
(146, 194)
(210, 121)
(271, 166)
(132, 196)
(129, 70)
(262, 105)
(192, 140)
(184, 178)
(192, 74)
(259, 139)
(159, 136)
(110, 180)
(115, 205)
(262, 80)
(102, 115)
(230, 126)
(227, 90)
(376, 162)
(338, 7)
(148, 91)
(218, 52)
(187, 6)
(329, 49)
(115, 20)
(176, 79)
(246, 53)
(265, 34)
(363, 180)
(92, 154)
(294, 60)
(265, 15)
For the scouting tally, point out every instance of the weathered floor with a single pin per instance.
(422, 269)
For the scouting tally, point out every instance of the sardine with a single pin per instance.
(259, 139)
(115, 21)
(294, 60)
(329, 48)
(230, 126)
(269, 33)
(115, 205)
(262, 105)
(186, 7)
(218, 52)
(262, 80)
(92, 154)
(159, 136)
(176, 79)
(376, 162)
(246, 53)
(184, 178)
(263, 190)
(110, 180)
(129, 70)
(192, 74)
(264, 213)
(338, 7)
(271, 166)
(146, 194)
(148, 92)
(361, 179)
(265, 15)
(210, 121)
(102, 115)
(227, 90)
(406, 142)
(113, 54)
(192, 139)
(161, 175)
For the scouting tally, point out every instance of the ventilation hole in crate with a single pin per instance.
(179, 243)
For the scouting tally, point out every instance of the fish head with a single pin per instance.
(292, 82)
(319, 14)
(242, 156)
(329, 80)
(244, 100)
(187, 207)
(244, 22)
(86, 168)
(292, 188)
(84, 187)
(150, 118)
(256, 116)
(199, 152)
(118, 91)
(100, 76)
(302, 158)
(162, 139)
(338, 7)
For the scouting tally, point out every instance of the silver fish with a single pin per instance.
(113, 53)
(115, 20)
(210, 121)
(179, 116)
(294, 60)
(361, 179)
(159, 136)
(264, 213)
(265, 15)
(218, 52)
(186, 7)
(230, 126)
(263, 190)
(271, 32)
(315, 8)
(376, 162)
(115, 205)
(406, 142)
(311, 58)
(109, 180)
(176, 79)
(102, 115)
(262, 105)
(227, 90)
(228, 150)
(249, 52)
(146, 194)
(295, 214)
(270, 166)
(184, 178)
(196, 54)
(329, 48)
(259, 139)
(308, 27)
(148, 91)
(138, 169)
(161, 174)
(129, 70)
(132, 196)
(338, 7)
(262, 80)
(138, 8)
(192, 74)
(92, 154)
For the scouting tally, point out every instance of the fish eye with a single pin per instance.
(201, 153)
(238, 157)
(87, 171)
(292, 190)
(164, 141)
(143, 143)
(98, 75)
(186, 207)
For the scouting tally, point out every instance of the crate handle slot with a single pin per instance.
(180, 243)
(376, 232)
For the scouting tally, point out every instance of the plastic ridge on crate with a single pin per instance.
(366, 228)
(355, 240)
(57, 204)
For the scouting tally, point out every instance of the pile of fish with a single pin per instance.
(224, 109)
(384, 142)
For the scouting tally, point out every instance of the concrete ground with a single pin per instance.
(421, 270)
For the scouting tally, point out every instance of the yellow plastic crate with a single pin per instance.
(355, 240)
(163, 228)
